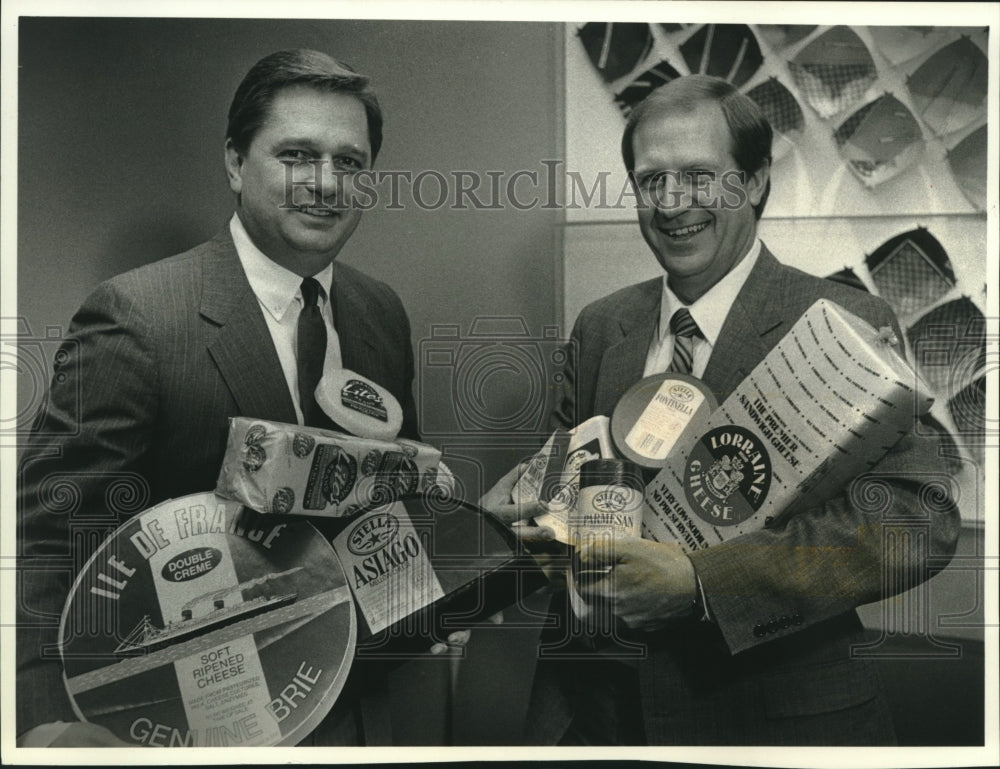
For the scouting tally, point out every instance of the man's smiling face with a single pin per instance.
(303, 154)
(700, 221)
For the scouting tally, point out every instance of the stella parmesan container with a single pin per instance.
(820, 409)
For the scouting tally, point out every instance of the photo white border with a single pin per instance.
(936, 14)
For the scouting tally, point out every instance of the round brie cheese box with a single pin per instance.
(201, 623)
(656, 413)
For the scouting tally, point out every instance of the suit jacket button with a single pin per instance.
(797, 619)
(785, 622)
(758, 631)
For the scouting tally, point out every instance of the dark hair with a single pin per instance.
(313, 69)
(750, 132)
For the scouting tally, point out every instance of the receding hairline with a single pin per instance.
(684, 93)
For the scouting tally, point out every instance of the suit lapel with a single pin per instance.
(242, 348)
(623, 362)
(752, 327)
(359, 340)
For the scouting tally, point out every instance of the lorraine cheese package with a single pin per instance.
(288, 469)
(824, 405)
(200, 623)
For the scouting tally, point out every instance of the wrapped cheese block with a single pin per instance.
(201, 623)
(288, 469)
(552, 476)
(819, 410)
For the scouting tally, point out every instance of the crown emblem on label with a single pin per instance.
(724, 477)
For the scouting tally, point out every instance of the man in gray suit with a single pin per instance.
(748, 642)
(167, 353)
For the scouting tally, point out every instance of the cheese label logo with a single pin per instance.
(191, 564)
(681, 392)
(340, 475)
(283, 501)
(612, 500)
(255, 435)
(362, 397)
(372, 534)
(302, 445)
(728, 475)
(254, 457)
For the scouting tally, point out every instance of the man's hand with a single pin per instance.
(77, 734)
(649, 582)
(498, 501)
(458, 640)
(538, 541)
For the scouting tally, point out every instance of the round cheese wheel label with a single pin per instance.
(359, 405)
(658, 413)
(202, 623)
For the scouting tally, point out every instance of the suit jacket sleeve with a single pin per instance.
(80, 470)
(888, 531)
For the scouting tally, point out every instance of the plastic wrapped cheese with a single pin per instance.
(288, 469)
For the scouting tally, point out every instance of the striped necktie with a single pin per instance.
(684, 329)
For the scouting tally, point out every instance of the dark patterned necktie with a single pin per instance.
(684, 329)
(310, 353)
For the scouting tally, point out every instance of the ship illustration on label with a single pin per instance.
(148, 637)
(727, 476)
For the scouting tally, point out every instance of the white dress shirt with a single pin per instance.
(709, 312)
(279, 294)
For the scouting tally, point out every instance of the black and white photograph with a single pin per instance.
(499, 381)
